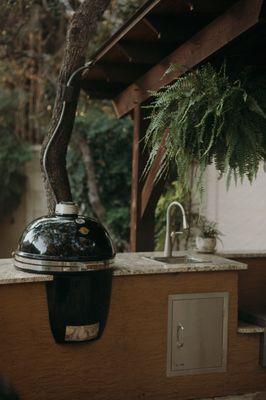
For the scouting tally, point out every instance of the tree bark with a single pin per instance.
(97, 206)
(93, 192)
(81, 28)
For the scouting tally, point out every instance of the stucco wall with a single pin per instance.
(240, 211)
(33, 205)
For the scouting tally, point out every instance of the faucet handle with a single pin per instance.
(174, 234)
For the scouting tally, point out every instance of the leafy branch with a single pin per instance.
(210, 118)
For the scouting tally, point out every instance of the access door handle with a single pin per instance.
(179, 336)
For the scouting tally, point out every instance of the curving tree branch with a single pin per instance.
(81, 29)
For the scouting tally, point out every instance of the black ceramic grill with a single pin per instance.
(64, 242)
(77, 250)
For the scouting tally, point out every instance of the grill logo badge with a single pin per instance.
(81, 333)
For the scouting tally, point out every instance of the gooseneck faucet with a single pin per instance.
(169, 235)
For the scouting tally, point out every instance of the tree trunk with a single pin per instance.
(93, 192)
(97, 206)
(81, 28)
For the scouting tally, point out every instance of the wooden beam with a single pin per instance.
(114, 72)
(236, 20)
(144, 53)
(177, 28)
(101, 89)
(132, 22)
(135, 178)
(141, 227)
(152, 187)
(152, 27)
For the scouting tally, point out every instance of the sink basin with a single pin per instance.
(186, 259)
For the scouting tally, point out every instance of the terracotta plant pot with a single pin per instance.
(206, 245)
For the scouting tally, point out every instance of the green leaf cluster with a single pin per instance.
(14, 153)
(211, 118)
(110, 140)
(208, 229)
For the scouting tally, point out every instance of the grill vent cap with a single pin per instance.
(66, 208)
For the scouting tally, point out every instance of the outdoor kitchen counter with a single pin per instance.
(132, 264)
(130, 358)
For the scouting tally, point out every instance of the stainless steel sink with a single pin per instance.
(186, 259)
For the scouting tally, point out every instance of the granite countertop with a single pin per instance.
(137, 264)
(9, 274)
(243, 253)
(132, 264)
(246, 328)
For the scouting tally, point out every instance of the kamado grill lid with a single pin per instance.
(64, 242)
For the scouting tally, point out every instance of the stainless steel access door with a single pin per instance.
(197, 333)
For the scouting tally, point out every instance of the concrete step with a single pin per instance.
(249, 396)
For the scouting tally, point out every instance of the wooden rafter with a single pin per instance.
(115, 72)
(123, 31)
(152, 27)
(102, 89)
(141, 227)
(150, 182)
(146, 53)
(235, 21)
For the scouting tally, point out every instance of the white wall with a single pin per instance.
(240, 212)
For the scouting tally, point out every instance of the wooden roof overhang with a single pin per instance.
(186, 32)
(134, 60)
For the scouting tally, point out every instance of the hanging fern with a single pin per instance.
(210, 118)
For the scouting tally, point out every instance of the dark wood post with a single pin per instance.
(142, 227)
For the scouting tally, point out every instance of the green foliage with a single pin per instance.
(13, 155)
(31, 49)
(110, 140)
(211, 118)
(208, 229)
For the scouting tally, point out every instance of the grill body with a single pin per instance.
(79, 253)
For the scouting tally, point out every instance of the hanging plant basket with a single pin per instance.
(210, 118)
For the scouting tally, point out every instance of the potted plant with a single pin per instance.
(210, 116)
(206, 240)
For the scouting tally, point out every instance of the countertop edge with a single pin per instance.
(128, 264)
(245, 328)
(243, 254)
(11, 281)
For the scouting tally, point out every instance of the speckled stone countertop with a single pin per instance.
(246, 328)
(138, 264)
(132, 264)
(243, 254)
(9, 274)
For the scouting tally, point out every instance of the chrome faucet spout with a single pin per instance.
(169, 234)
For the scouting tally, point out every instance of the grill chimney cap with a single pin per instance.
(66, 208)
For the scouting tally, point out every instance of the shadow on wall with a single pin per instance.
(32, 206)
(7, 392)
